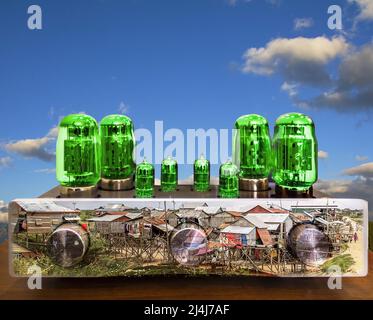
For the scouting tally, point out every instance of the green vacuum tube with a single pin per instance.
(117, 145)
(228, 180)
(201, 174)
(169, 175)
(144, 180)
(77, 153)
(252, 152)
(295, 152)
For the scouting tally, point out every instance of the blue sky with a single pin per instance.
(177, 61)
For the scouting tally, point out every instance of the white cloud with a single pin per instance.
(323, 154)
(123, 108)
(291, 89)
(365, 8)
(304, 62)
(297, 59)
(333, 187)
(34, 148)
(3, 217)
(303, 23)
(361, 158)
(356, 189)
(364, 170)
(5, 161)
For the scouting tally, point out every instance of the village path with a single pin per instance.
(356, 251)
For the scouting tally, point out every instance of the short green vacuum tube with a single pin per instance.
(201, 174)
(228, 180)
(169, 175)
(144, 180)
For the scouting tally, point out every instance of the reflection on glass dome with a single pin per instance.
(189, 246)
(310, 244)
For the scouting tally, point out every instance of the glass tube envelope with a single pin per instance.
(117, 145)
(78, 154)
(252, 147)
(295, 152)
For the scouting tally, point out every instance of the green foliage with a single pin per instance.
(85, 215)
(96, 263)
(344, 262)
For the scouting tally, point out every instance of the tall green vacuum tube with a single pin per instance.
(117, 149)
(144, 180)
(78, 162)
(201, 174)
(228, 180)
(252, 152)
(169, 175)
(295, 152)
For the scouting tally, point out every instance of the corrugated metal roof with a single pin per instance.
(133, 215)
(240, 209)
(265, 237)
(270, 217)
(107, 218)
(43, 206)
(210, 210)
(154, 220)
(258, 223)
(185, 213)
(273, 226)
(238, 230)
(164, 227)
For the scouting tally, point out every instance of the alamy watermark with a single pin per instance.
(34, 281)
(335, 278)
(35, 19)
(184, 146)
(335, 19)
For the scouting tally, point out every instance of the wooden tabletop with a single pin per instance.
(212, 288)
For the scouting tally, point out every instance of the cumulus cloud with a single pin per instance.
(354, 87)
(303, 23)
(357, 189)
(333, 187)
(365, 9)
(3, 217)
(361, 187)
(5, 161)
(297, 60)
(364, 170)
(34, 148)
(305, 62)
(323, 154)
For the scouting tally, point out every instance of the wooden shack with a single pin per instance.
(43, 217)
(108, 224)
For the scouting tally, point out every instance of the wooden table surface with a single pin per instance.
(213, 288)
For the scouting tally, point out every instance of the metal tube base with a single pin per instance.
(254, 185)
(288, 193)
(117, 184)
(79, 192)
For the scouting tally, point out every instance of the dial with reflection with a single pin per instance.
(189, 246)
